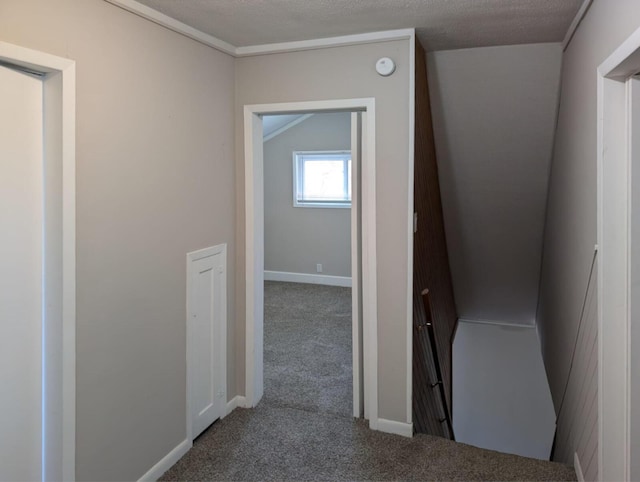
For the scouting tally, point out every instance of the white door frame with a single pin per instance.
(254, 247)
(59, 315)
(614, 235)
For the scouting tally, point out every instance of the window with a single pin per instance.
(322, 179)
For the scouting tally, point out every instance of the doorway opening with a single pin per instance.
(307, 293)
(363, 261)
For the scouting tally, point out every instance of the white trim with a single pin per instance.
(410, 220)
(613, 174)
(168, 461)
(60, 84)
(174, 25)
(254, 241)
(356, 268)
(496, 323)
(322, 43)
(582, 11)
(313, 279)
(577, 467)
(286, 127)
(397, 428)
(250, 50)
(236, 402)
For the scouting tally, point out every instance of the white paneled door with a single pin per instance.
(207, 337)
(21, 275)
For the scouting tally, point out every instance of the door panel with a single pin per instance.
(21, 275)
(207, 344)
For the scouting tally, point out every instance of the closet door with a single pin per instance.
(207, 337)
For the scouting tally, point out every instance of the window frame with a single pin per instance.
(298, 160)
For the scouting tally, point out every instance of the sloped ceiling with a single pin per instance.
(272, 125)
(441, 24)
(494, 113)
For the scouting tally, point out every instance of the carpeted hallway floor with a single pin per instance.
(303, 429)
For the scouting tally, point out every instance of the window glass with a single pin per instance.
(322, 179)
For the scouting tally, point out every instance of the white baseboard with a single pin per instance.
(398, 428)
(314, 279)
(578, 467)
(167, 461)
(235, 402)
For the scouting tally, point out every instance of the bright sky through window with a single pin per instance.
(322, 179)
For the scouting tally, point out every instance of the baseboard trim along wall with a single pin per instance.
(235, 402)
(183, 447)
(314, 279)
(578, 467)
(397, 428)
(167, 461)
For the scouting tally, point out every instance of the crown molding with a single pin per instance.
(322, 43)
(247, 51)
(582, 11)
(175, 25)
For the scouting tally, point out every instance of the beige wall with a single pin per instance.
(571, 218)
(155, 179)
(494, 116)
(298, 238)
(334, 73)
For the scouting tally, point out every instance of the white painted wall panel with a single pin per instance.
(207, 331)
(501, 399)
(494, 115)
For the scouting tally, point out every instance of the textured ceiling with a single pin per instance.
(441, 24)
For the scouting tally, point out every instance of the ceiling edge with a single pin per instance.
(251, 50)
(287, 126)
(175, 25)
(321, 43)
(576, 22)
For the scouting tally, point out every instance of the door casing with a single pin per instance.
(59, 352)
(617, 159)
(254, 248)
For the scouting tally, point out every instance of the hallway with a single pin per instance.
(302, 429)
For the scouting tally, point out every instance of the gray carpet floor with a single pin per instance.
(303, 429)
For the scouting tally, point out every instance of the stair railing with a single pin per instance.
(436, 360)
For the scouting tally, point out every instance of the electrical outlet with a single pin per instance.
(319, 268)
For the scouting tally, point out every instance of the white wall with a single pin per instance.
(298, 238)
(571, 219)
(501, 398)
(299, 76)
(155, 180)
(494, 115)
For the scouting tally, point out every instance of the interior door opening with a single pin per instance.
(362, 262)
(308, 187)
